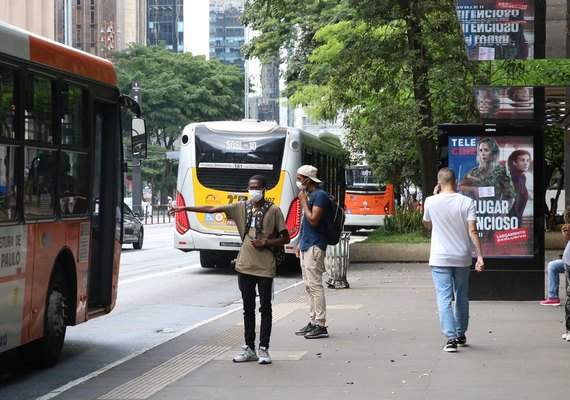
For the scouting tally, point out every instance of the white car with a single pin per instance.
(146, 207)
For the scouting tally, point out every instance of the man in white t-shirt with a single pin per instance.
(451, 217)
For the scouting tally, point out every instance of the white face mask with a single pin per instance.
(256, 195)
(301, 186)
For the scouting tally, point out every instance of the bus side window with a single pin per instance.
(39, 183)
(38, 109)
(72, 129)
(7, 104)
(308, 157)
(73, 183)
(7, 183)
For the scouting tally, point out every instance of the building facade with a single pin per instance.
(89, 25)
(100, 26)
(227, 34)
(132, 21)
(269, 101)
(36, 16)
(165, 24)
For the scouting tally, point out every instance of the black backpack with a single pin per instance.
(335, 224)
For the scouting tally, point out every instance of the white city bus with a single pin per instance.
(216, 161)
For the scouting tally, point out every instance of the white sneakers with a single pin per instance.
(264, 357)
(249, 354)
(246, 355)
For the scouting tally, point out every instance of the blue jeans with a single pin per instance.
(567, 305)
(555, 268)
(452, 282)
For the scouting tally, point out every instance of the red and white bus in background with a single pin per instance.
(216, 161)
(366, 202)
(61, 177)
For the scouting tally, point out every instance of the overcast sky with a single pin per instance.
(197, 36)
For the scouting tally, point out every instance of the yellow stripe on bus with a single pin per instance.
(204, 196)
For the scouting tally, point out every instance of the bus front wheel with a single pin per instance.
(45, 352)
(139, 243)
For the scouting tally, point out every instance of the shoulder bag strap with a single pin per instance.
(248, 217)
(260, 216)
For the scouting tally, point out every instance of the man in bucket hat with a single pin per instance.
(312, 249)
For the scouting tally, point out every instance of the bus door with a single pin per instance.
(105, 208)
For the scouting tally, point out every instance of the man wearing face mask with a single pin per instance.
(312, 249)
(255, 263)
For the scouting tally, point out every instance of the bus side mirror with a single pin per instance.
(139, 138)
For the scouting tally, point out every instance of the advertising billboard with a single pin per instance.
(515, 103)
(497, 167)
(498, 30)
(497, 172)
(501, 167)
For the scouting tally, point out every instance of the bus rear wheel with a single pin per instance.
(207, 259)
(45, 352)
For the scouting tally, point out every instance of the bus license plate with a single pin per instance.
(230, 244)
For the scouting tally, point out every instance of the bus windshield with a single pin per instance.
(360, 178)
(222, 158)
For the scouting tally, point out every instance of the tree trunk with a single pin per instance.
(420, 68)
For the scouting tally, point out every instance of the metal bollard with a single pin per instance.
(336, 262)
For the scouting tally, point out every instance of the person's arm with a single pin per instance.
(474, 235)
(281, 240)
(566, 231)
(198, 209)
(313, 215)
(426, 220)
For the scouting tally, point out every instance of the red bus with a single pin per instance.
(366, 202)
(61, 177)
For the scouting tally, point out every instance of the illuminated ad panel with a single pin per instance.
(498, 173)
(498, 30)
(507, 103)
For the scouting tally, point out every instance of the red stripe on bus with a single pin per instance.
(68, 59)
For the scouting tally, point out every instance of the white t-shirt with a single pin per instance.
(450, 241)
(566, 255)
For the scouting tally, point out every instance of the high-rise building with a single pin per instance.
(36, 16)
(269, 101)
(132, 21)
(88, 25)
(100, 26)
(227, 34)
(166, 24)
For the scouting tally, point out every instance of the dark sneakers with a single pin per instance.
(461, 341)
(451, 346)
(317, 332)
(304, 330)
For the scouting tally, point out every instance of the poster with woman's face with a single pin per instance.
(509, 103)
(497, 172)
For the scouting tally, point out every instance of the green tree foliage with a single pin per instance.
(177, 89)
(394, 69)
(525, 73)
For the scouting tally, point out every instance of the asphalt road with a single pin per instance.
(163, 292)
